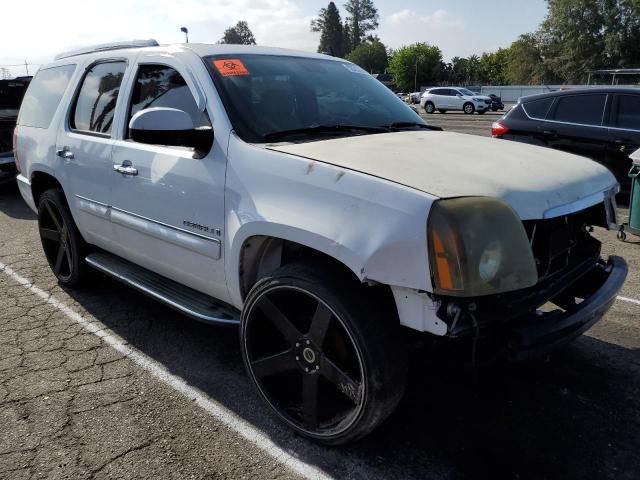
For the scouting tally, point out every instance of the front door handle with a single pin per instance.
(65, 153)
(126, 168)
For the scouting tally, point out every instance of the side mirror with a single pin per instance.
(459, 95)
(169, 126)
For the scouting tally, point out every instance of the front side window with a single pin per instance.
(628, 112)
(96, 102)
(43, 96)
(269, 94)
(582, 109)
(163, 86)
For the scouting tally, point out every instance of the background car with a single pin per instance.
(496, 102)
(600, 123)
(444, 99)
(11, 93)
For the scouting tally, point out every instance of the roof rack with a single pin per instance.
(108, 46)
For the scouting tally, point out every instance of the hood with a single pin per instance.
(533, 180)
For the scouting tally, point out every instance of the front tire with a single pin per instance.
(321, 354)
(429, 107)
(468, 108)
(63, 246)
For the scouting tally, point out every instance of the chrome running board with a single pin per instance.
(183, 299)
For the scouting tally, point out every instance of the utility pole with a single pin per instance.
(26, 67)
(185, 30)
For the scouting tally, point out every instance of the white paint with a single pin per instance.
(629, 300)
(157, 370)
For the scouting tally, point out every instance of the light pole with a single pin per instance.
(186, 33)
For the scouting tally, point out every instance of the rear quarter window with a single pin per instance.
(628, 112)
(43, 96)
(538, 108)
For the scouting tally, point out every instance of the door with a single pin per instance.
(577, 126)
(455, 101)
(624, 135)
(168, 210)
(84, 145)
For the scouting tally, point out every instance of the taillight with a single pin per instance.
(498, 129)
(15, 150)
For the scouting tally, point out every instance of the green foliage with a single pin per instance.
(372, 56)
(416, 65)
(523, 62)
(329, 24)
(363, 18)
(240, 34)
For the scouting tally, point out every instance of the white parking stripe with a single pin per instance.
(630, 300)
(215, 409)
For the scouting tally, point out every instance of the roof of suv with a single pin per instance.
(574, 91)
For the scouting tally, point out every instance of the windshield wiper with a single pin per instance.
(323, 129)
(404, 125)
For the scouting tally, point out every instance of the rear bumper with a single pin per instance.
(24, 185)
(540, 334)
(7, 168)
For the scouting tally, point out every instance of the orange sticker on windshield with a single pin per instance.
(231, 67)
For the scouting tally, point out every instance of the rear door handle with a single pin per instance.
(126, 168)
(65, 153)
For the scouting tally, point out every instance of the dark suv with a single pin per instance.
(600, 123)
(11, 93)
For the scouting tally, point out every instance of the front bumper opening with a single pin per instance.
(533, 322)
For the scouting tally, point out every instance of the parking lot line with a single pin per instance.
(629, 300)
(157, 370)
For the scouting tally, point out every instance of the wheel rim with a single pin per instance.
(54, 234)
(468, 109)
(430, 108)
(304, 361)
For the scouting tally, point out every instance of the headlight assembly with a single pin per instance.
(478, 246)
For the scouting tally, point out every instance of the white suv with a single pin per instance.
(295, 196)
(443, 99)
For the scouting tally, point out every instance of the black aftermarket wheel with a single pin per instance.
(63, 246)
(321, 360)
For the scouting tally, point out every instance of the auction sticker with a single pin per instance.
(231, 67)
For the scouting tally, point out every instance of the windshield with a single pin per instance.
(268, 94)
(464, 91)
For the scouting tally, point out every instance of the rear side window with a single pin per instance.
(163, 86)
(43, 96)
(628, 109)
(538, 108)
(582, 109)
(96, 102)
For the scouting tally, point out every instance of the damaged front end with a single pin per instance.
(573, 289)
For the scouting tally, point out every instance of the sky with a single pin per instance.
(36, 30)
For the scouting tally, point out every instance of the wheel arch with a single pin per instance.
(42, 181)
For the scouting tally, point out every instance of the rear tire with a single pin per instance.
(63, 246)
(468, 108)
(321, 352)
(429, 107)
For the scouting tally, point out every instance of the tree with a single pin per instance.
(329, 25)
(492, 67)
(240, 34)
(363, 18)
(416, 65)
(524, 62)
(372, 56)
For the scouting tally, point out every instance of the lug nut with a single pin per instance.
(306, 369)
(308, 342)
(297, 344)
(317, 367)
(297, 357)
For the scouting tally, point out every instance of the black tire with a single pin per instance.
(345, 375)
(429, 107)
(62, 243)
(468, 108)
(442, 110)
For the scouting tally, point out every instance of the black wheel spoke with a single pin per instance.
(341, 380)
(310, 400)
(53, 216)
(59, 257)
(320, 324)
(50, 234)
(279, 320)
(280, 362)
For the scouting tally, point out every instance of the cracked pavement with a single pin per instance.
(73, 407)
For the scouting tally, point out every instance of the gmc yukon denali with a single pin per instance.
(294, 196)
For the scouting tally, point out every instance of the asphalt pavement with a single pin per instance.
(102, 382)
